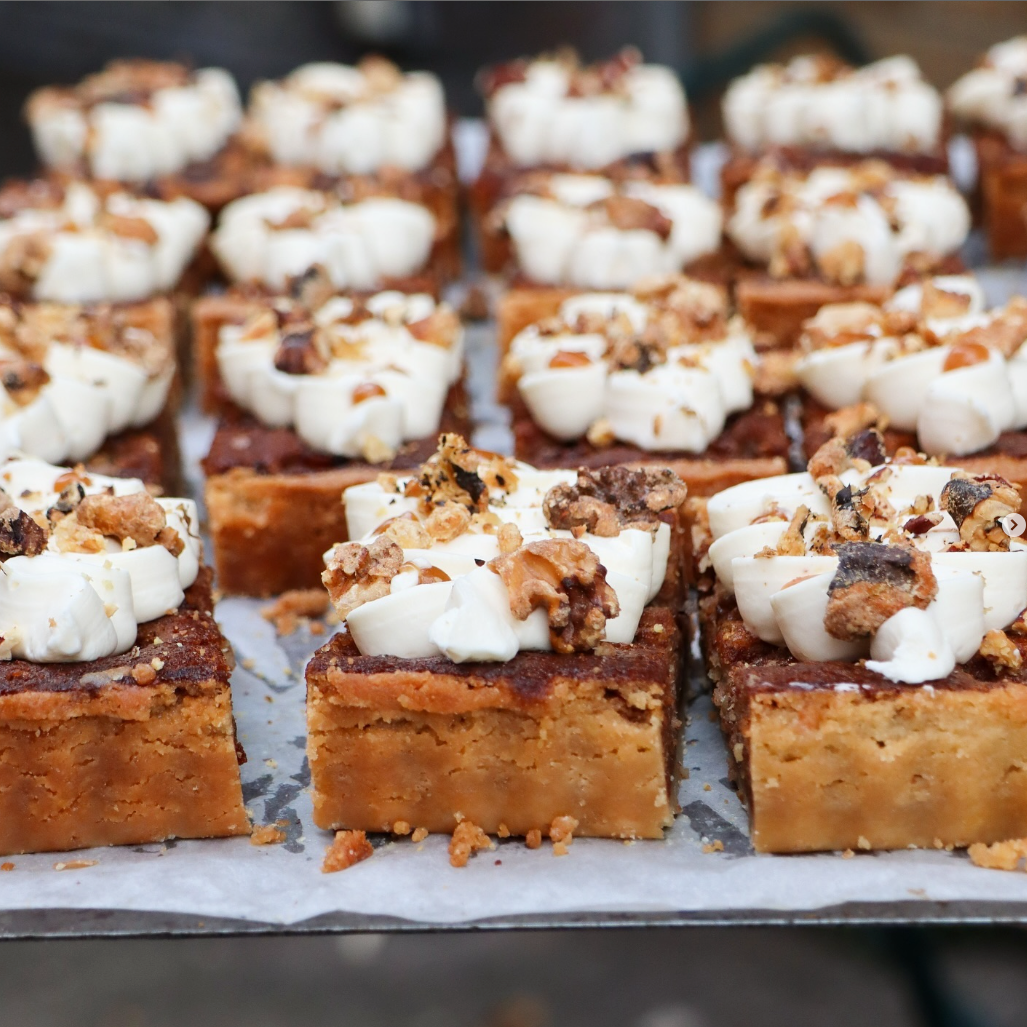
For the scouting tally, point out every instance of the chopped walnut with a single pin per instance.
(298, 351)
(774, 373)
(406, 531)
(441, 328)
(608, 499)
(792, 543)
(467, 839)
(628, 213)
(848, 522)
(348, 849)
(20, 535)
(1000, 651)
(22, 379)
(844, 263)
(312, 289)
(852, 419)
(447, 521)
(459, 474)
(128, 227)
(978, 503)
(862, 450)
(937, 302)
(1005, 331)
(838, 324)
(567, 579)
(873, 582)
(356, 574)
(509, 538)
(137, 516)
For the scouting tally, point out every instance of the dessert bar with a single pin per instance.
(865, 634)
(115, 710)
(316, 392)
(492, 669)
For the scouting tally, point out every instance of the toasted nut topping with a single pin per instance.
(509, 538)
(1000, 651)
(22, 379)
(138, 517)
(20, 535)
(298, 352)
(607, 500)
(849, 420)
(447, 521)
(312, 289)
(873, 582)
(356, 574)
(460, 474)
(567, 579)
(792, 543)
(977, 504)
(862, 449)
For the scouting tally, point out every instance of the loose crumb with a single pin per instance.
(273, 764)
(249, 663)
(268, 698)
(533, 839)
(503, 831)
(75, 864)
(863, 843)
(706, 787)
(475, 306)
(6, 866)
(401, 827)
(267, 834)
(1007, 855)
(715, 846)
(419, 835)
(561, 833)
(291, 607)
(467, 839)
(348, 848)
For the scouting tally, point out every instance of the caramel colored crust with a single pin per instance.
(275, 505)
(777, 307)
(589, 735)
(832, 756)
(129, 749)
(1006, 458)
(1003, 187)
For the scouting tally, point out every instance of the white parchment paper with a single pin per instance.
(283, 884)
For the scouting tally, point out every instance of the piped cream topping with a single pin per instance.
(661, 369)
(135, 121)
(993, 95)
(272, 236)
(590, 232)
(820, 104)
(350, 120)
(74, 593)
(354, 379)
(846, 224)
(87, 247)
(554, 111)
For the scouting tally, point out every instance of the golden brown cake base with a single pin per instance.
(125, 750)
(429, 742)
(1002, 182)
(830, 756)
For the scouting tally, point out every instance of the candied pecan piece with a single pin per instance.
(1001, 651)
(567, 579)
(20, 535)
(406, 531)
(129, 228)
(451, 474)
(298, 352)
(978, 503)
(937, 302)
(356, 574)
(873, 582)
(1005, 331)
(440, 327)
(849, 420)
(861, 450)
(137, 517)
(447, 521)
(606, 500)
(22, 379)
(627, 213)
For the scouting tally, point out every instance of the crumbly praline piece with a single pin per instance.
(127, 749)
(545, 735)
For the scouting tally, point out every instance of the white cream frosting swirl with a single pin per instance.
(539, 121)
(65, 606)
(350, 120)
(956, 392)
(468, 618)
(94, 248)
(272, 236)
(569, 383)
(380, 385)
(783, 598)
(993, 95)
(857, 224)
(561, 239)
(884, 106)
(129, 139)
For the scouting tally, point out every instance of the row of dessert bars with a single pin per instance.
(513, 641)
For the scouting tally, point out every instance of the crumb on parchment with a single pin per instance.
(1008, 855)
(348, 848)
(419, 835)
(715, 846)
(75, 864)
(267, 834)
(561, 833)
(533, 839)
(294, 606)
(467, 839)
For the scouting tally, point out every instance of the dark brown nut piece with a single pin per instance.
(20, 535)
(567, 579)
(629, 214)
(1001, 651)
(298, 352)
(606, 500)
(848, 522)
(22, 379)
(138, 517)
(71, 495)
(978, 504)
(862, 450)
(873, 582)
(356, 574)
(312, 289)
(459, 474)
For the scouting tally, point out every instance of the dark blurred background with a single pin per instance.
(654, 978)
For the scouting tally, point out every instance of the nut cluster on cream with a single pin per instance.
(902, 563)
(350, 120)
(554, 111)
(86, 559)
(930, 360)
(594, 233)
(993, 95)
(660, 367)
(70, 377)
(477, 557)
(272, 236)
(135, 120)
(354, 378)
(864, 223)
(81, 245)
(817, 103)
